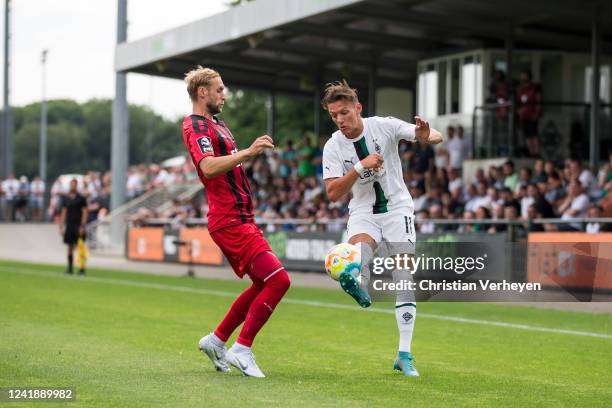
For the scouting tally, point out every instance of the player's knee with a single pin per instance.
(280, 281)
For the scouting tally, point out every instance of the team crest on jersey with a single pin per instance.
(205, 146)
(377, 147)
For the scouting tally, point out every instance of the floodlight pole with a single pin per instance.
(42, 170)
(271, 113)
(6, 142)
(595, 96)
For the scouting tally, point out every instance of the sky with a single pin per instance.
(80, 36)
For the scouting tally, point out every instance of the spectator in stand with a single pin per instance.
(481, 199)
(524, 177)
(585, 177)
(454, 179)
(496, 177)
(456, 150)
(305, 157)
(287, 160)
(421, 158)
(594, 227)
(555, 193)
(436, 213)
(424, 226)
(539, 174)
(135, 183)
(451, 206)
(21, 200)
(480, 177)
(532, 214)
(10, 186)
(482, 213)
(466, 228)
(37, 196)
(510, 177)
(604, 177)
(317, 160)
(542, 206)
(418, 196)
(467, 142)
(575, 205)
(470, 198)
(500, 93)
(526, 201)
(529, 111)
(507, 199)
(439, 179)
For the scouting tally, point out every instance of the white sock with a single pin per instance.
(366, 257)
(405, 313)
(240, 347)
(216, 340)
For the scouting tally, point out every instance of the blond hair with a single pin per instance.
(338, 91)
(198, 77)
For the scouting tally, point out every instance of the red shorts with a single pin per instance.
(241, 244)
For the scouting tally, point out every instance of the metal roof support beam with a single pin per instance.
(595, 82)
(378, 39)
(333, 55)
(120, 137)
(466, 23)
(271, 113)
(316, 103)
(509, 75)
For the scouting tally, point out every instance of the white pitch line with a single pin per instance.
(220, 293)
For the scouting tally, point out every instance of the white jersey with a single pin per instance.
(374, 192)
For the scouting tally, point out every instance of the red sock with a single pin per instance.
(263, 306)
(238, 312)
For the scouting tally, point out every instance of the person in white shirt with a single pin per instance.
(457, 149)
(593, 227)
(575, 205)
(362, 158)
(10, 187)
(37, 193)
(454, 179)
(586, 178)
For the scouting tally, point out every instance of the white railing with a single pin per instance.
(100, 233)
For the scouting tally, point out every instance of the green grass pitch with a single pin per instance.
(130, 340)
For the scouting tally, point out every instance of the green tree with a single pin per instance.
(66, 149)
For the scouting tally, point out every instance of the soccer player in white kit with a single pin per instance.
(362, 157)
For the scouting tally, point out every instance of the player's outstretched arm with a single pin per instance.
(339, 186)
(212, 166)
(424, 133)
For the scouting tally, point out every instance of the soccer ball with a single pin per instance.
(343, 257)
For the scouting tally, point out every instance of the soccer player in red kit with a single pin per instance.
(231, 222)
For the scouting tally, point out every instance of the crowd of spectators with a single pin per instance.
(24, 200)
(287, 184)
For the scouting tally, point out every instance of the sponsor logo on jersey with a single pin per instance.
(205, 145)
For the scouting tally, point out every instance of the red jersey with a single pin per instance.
(529, 99)
(229, 194)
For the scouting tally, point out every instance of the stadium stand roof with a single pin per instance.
(290, 46)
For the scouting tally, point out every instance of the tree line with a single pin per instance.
(79, 134)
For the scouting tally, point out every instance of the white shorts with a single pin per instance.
(396, 225)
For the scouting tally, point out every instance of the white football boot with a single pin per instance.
(243, 359)
(215, 352)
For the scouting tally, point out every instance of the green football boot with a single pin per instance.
(350, 285)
